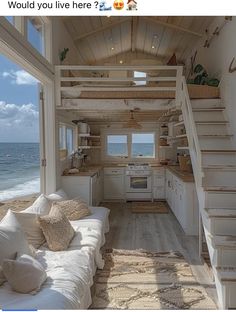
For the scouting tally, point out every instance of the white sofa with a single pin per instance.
(70, 273)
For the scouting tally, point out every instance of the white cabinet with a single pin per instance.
(182, 198)
(114, 183)
(88, 188)
(158, 183)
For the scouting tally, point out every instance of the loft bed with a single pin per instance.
(123, 82)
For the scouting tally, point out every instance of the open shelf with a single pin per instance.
(89, 147)
(181, 136)
(183, 148)
(87, 135)
(181, 123)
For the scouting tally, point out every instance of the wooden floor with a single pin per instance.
(155, 232)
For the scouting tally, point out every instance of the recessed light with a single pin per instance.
(153, 47)
(112, 48)
(121, 61)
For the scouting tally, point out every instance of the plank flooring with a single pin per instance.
(155, 232)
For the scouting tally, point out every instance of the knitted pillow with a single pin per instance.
(25, 275)
(74, 209)
(57, 229)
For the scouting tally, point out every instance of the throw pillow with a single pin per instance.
(30, 225)
(58, 195)
(74, 209)
(57, 229)
(41, 206)
(12, 240)
(25, 275)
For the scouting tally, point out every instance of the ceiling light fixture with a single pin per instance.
(121, 62)
(132, 122)
(153, 47)
(112, 48)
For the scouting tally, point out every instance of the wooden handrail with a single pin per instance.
(191, 131)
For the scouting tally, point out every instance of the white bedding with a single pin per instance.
(70, 273)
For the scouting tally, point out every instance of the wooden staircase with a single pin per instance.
(213, 157)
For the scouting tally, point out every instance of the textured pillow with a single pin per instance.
(57, 229)
(25, 275)
(41, 206)
(58, 196)
(74, 209)
(12, 240)
(30, 225)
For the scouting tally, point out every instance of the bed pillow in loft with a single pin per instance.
(57, 229)
(74, 209)
(30, 225)
(12, 240)
(41, 206)
(58, 195)
(25, 275)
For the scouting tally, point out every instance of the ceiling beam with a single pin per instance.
(172, 26)
(102, 28)
(134, 33)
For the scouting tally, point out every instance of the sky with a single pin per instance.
(19, 110)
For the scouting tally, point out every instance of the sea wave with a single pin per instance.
(23, 189)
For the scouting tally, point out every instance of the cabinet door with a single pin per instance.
(113, 187)
(159, 192)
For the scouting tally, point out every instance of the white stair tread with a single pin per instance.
(209, 109)
(221, 213)
(219, 151)
(224, 241)
(227, 275)
(220, 189)
(215, 136)
(223, 167)
(211, 122)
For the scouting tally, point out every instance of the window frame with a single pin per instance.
(106, 145)
(106, 157)
(65, 126)
(154, 147)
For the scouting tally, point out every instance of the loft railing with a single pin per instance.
(191, 131)
(71, 78)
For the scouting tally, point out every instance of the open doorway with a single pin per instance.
(19, 131)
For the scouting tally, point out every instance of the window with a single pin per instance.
(66, 139)
(35, 33)
(138, 74)
(117, 145)
(143, 145)
(10, 19)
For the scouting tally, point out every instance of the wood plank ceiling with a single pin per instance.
(117, 40)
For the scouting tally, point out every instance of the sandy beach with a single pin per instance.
(16, 204)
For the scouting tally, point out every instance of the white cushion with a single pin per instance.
(59, 195)
(30, 225)
(41, 206)
(25, 275)
(12, 239)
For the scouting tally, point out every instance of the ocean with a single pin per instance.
(138, 149)
(19, 169)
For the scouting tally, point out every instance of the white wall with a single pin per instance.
(62, 39)
(216, 59)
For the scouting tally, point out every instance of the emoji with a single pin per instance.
(118, 4)
(131, 5)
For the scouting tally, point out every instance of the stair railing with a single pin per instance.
(191, 131)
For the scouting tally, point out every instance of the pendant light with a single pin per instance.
(132, 122)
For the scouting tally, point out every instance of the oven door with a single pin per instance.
(138, 184)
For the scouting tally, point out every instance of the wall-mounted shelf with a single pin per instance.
(89, 147)
(181, 123)
(183, 148)
(163, 146)
(88, 136)
(180, 136)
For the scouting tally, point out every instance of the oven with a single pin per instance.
(138, 182)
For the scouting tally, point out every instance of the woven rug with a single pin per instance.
(147, 280)
(150, 207)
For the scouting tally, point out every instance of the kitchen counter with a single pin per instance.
(182, 175)
(90, 171)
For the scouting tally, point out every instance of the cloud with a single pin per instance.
(20, 77)
(22, 116)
